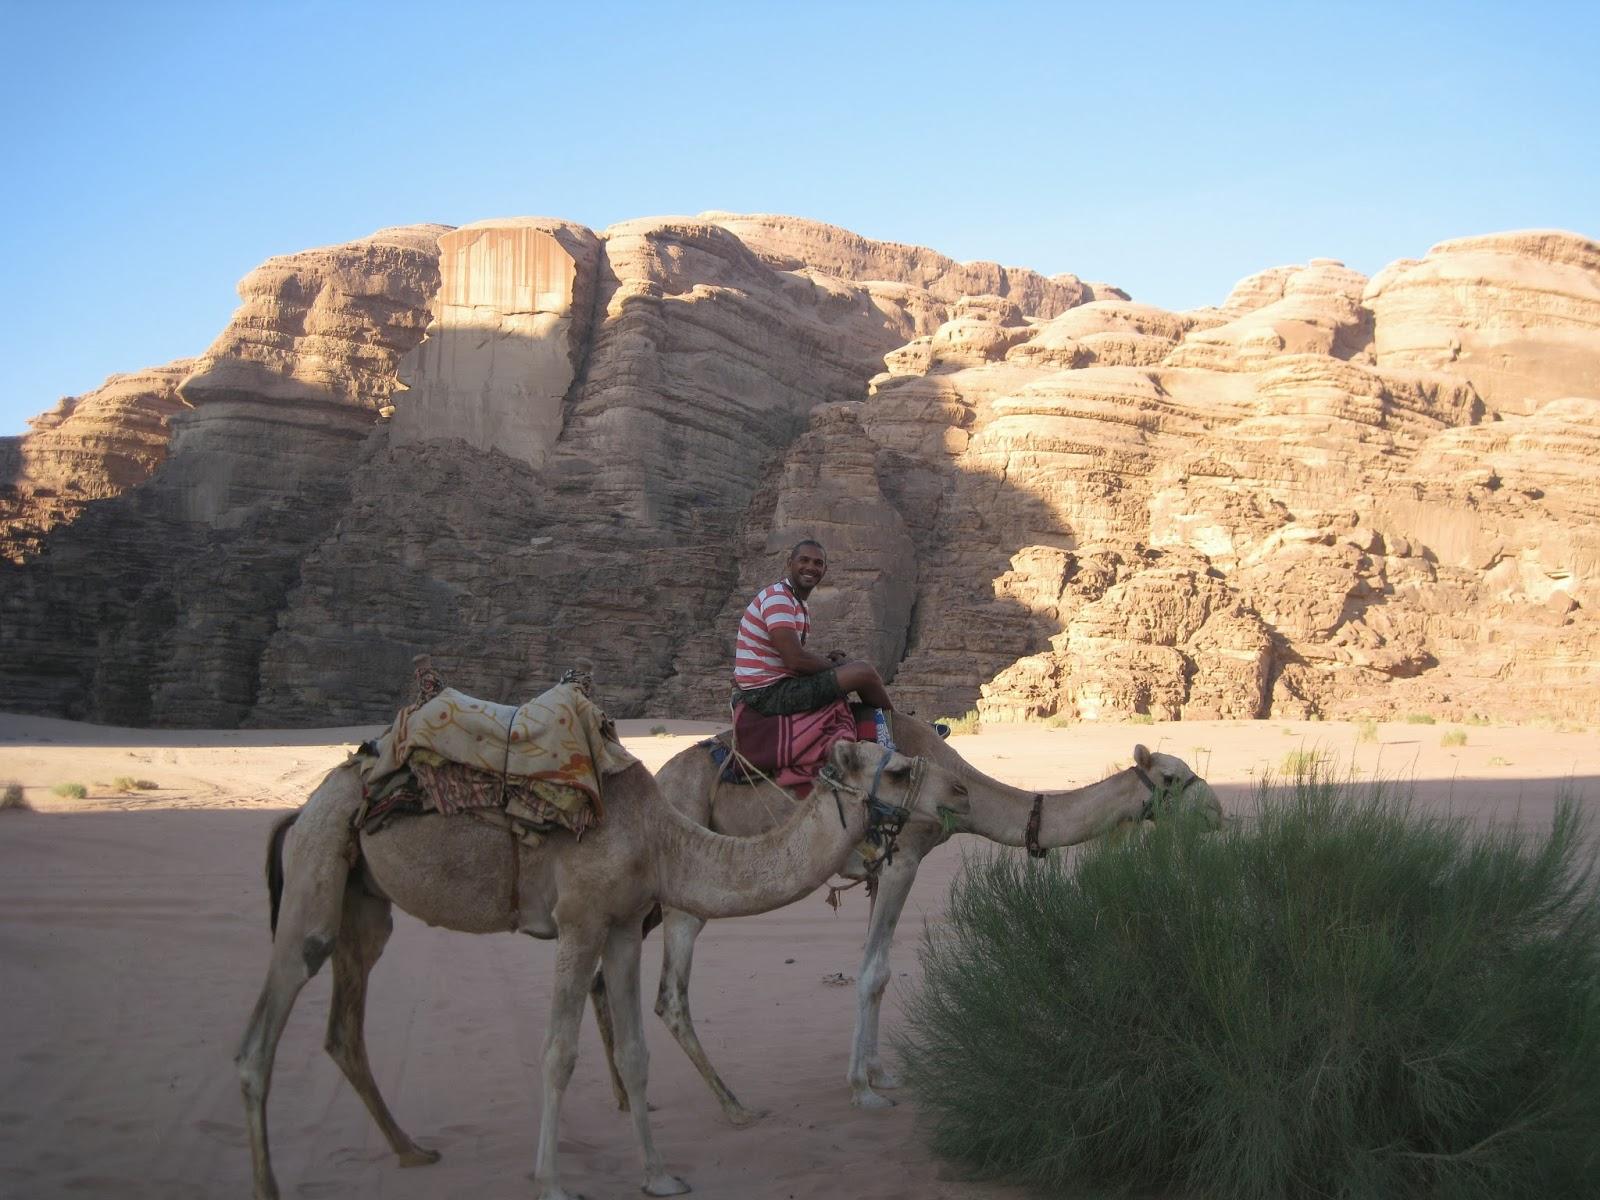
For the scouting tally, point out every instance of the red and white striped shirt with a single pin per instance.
(756, 661)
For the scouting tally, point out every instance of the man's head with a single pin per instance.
(808, 563)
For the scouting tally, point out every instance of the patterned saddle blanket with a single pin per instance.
(789, 750)
(533, 769)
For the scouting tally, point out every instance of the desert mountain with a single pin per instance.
(523, 444)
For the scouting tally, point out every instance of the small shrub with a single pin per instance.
(1343, 997)
(1057, 721)
(1420, 719)
(1454, 737)
(967, 722)
(1141, 719)
(1476, 719)
(11, 797)
(1300, 762)
(658, 731)
(127, 783)
(1367, 730)
(73, 791)
(1498, 761)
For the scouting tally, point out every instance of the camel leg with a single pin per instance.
(608, 1038)
(308, 929)
(602, 1016)
(362, 937)
(866, 1071)
(621, 967)
(678, 932)
(578, 947)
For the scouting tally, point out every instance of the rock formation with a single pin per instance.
(522, 445)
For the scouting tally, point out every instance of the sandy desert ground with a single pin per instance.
(133, 938)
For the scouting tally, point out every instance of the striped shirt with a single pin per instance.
(756, 661)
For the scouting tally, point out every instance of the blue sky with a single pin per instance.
(156, 152)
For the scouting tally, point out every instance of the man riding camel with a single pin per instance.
(774, 674)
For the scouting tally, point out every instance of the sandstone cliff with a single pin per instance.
(523, 444)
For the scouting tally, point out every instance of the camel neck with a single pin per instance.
(712, 876)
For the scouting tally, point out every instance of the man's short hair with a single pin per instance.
(795, 549)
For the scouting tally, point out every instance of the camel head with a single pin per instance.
(925, 791)
(1174, 785)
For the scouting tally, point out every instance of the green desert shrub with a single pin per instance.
(1299, 762)
(1366, 730)
(1344, 997)
(1420, 718)
(967, 722)
(11, 796)
(1454, 737)
(70, 791)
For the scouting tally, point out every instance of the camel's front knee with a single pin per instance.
(315, 950)
(874, 979)
(560, 1057)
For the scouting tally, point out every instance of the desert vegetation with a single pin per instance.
(11, 796)
(1344, 996)
(70, 791)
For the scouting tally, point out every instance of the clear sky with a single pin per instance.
(156, 152)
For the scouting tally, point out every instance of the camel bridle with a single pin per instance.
(884, 820)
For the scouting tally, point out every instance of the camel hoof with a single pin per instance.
(882, 1077)
(417, 1156)
(743, 1118)
(871, 1101)
(666, 1185)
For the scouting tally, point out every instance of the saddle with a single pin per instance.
(532, 769)
(788, 750)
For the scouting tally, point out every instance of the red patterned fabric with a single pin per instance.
(792, 749)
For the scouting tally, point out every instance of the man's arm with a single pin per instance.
(795, 656)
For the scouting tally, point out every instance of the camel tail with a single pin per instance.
(275, 864)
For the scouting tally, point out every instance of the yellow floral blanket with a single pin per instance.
(560, 741)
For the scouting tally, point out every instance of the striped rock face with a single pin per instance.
(523, 446)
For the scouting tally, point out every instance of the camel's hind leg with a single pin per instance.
(362, 936)
(307, 930)
(678, 932)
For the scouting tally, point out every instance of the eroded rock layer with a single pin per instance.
(523, 445)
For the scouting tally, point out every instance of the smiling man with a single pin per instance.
(774, 673)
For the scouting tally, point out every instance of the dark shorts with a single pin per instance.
(798, 693)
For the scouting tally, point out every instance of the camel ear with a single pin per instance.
(843, 755)
(1141, 758)
(899, 766)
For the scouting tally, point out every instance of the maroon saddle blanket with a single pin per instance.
(791, 749)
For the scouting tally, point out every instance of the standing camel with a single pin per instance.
(591, 895)
(997, 811)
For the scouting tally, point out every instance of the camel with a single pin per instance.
(996, 811)
(591, 894)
